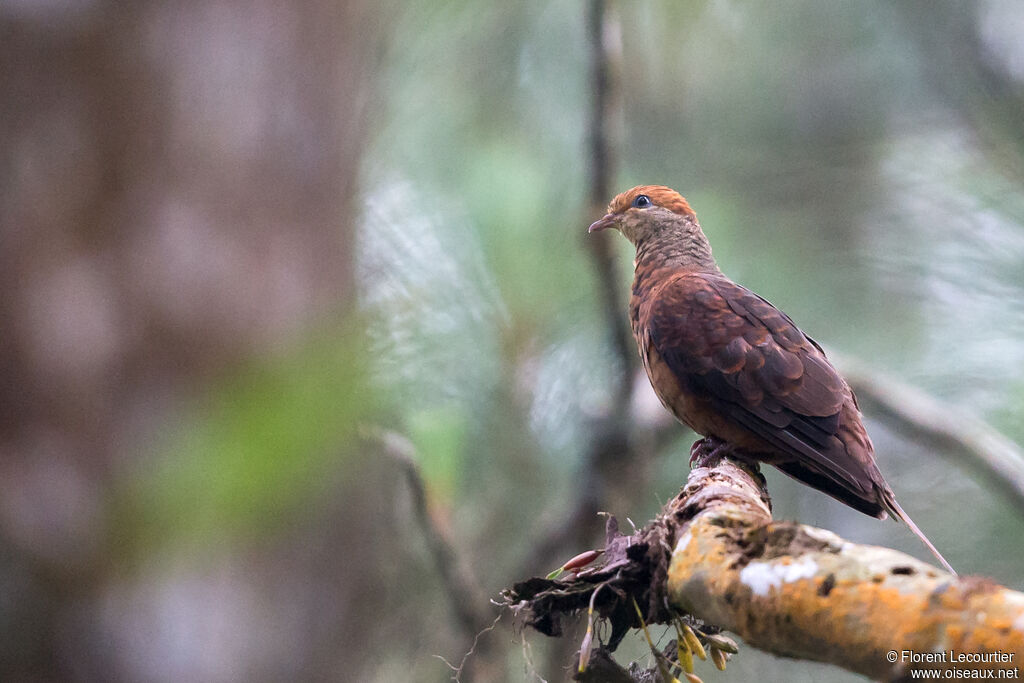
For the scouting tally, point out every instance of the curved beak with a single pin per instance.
(609, 221)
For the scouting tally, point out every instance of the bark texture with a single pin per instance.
(803, 592)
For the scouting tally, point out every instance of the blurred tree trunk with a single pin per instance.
(176, 194)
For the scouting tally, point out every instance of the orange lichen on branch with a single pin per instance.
(803, 592)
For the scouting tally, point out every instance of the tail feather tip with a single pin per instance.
(897, 511)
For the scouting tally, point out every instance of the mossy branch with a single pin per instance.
(715, 555)
(803, 592)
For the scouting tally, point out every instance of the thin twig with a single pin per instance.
(465, 596)
(457, 670)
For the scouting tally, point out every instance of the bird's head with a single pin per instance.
(659, 222)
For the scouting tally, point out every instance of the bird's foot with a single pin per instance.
(706, 449)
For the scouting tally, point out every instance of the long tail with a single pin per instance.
(889, 500)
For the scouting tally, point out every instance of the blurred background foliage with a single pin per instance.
(235, 236)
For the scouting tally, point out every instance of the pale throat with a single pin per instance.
(680, 244)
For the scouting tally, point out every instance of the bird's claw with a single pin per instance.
(696, 449)
(704, 450)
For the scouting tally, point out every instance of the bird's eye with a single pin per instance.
(642, 201)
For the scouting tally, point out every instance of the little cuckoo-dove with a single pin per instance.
(736, 369)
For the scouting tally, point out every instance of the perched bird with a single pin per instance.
(736, 369)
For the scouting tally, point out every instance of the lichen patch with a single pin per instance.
(762, 577)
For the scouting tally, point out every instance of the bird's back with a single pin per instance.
(732, 366)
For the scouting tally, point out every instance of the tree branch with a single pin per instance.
(465, 596)
(610, 458)
(803, 592)
(603, 40)
(715, 554)
(943, 427)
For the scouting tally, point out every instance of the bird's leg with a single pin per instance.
(707, 448)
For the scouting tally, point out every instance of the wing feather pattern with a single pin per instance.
(754, 365)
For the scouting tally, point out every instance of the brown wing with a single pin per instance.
(757, 369)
